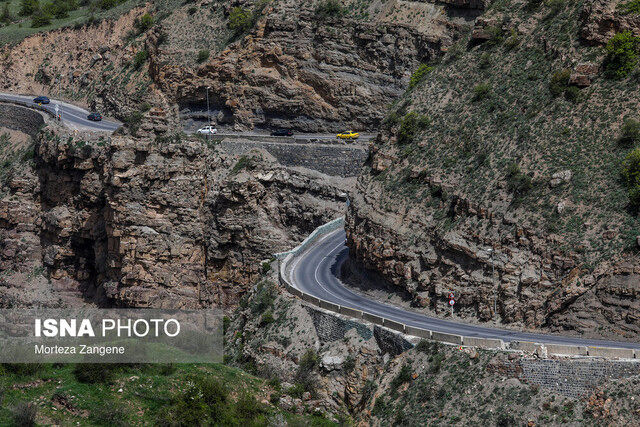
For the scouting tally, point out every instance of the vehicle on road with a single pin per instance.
(207, 130)
(41, 100)
(348, 135)
(94, 117)
(282, 132)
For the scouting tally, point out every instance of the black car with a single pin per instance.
(41, 100)
(282, 132)
(94, 117)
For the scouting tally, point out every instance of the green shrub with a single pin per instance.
(29, 7)
(133, 121)
(40, 18)
(328, 9)
(555, 6)
(412, 124)
(267, 318)
(496, 35)
(481, 91)
(144, 23)
(533, 4)
(559, 82)
(573, 94)
(203, 55)
(630, 133)
(111, 414)
(403, 376)
(140, 58)
(265, 295)
(622, 55)
(485, 61)
(107, 4)
(22, 369)
(240, 20)
(513, 40)
(93, 373)
(518, 183)
(248, 408)
(630, 7)
(304, 374)
(631, 176)
(419, 75)
(244, 162)
(5, 15)
(349, 364)
(24, 414)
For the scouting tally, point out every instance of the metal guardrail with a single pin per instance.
(540, 349)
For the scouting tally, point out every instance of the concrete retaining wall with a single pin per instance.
(529, 347)
(396, 326)
(330, 306)
(611, 353)
(483, 342)
(350, 312)
(311, 299)
(376, 320)
(441, 336)
(417, 332)
(566, 350)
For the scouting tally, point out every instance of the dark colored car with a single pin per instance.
(94, 117)
(41, 100)
(282, 132)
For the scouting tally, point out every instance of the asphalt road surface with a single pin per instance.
(315, 272)
(76, 118)
(72, 116)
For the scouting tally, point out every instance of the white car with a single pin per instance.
(207, 130)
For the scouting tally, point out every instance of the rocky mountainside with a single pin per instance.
(320, 362)
(110, 219)
(267, 63)
(497, 176)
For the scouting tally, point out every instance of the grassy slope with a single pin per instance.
(147, 392)
(471, 143)
(21, 28)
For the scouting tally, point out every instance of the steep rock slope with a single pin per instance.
(163, 223)
(497, 177)
(288, 65)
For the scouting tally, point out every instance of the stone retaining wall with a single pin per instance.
(573, 378)
(21, 119)
(335, 160)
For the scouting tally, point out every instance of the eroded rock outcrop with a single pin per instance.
(162, 223)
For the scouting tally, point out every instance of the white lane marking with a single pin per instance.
(299, 257)
(318, 267)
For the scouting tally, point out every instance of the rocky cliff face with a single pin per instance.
(163, 223)
(487, 183)
(293, 67)
(311, 74)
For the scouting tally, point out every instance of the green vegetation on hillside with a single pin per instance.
(22, 18)
(176, 395)
(521, 109)
(622, 55)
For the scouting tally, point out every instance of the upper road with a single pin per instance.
(315, 272)
(74, 117)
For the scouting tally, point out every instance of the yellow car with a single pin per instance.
(348, 135)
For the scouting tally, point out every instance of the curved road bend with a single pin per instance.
(315, 273)
(74, 117)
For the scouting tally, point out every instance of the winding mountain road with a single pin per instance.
(73, 117)
(315, 272)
